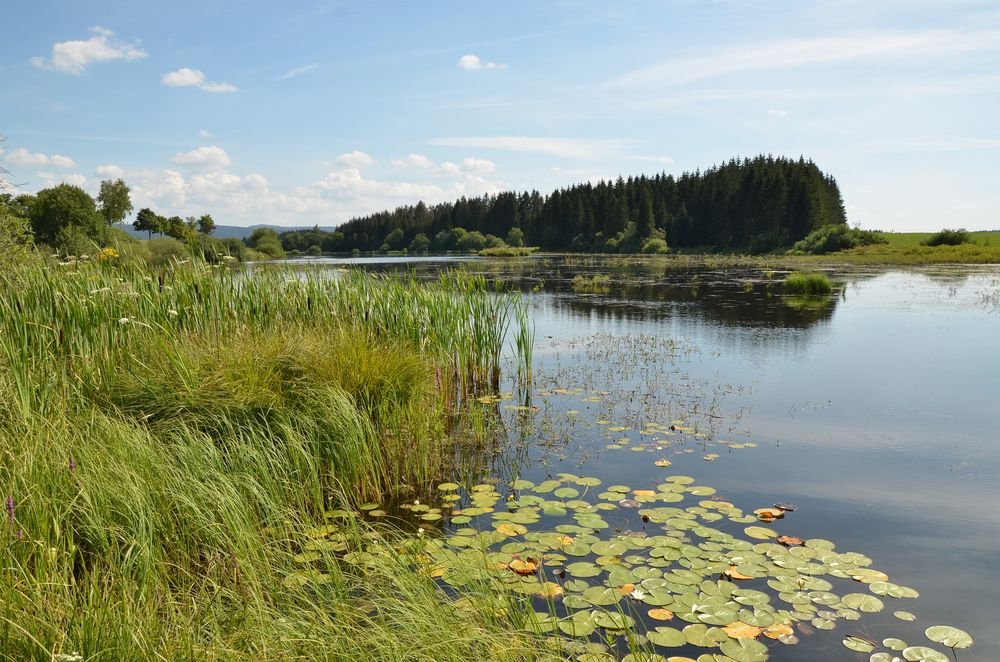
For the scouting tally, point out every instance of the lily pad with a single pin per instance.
(667, 637)
(923, 654)
(745, 650)
(949, 636)
(858, 644)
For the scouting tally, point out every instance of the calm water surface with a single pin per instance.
(874, 410)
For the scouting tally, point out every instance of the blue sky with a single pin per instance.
(310, 112)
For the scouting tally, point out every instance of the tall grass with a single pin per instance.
(169, 439)
(807, 283)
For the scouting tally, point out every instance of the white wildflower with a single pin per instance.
(172, 313)
(124, 320)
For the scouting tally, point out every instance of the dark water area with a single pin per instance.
(874, 410)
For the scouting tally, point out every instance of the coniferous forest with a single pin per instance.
(754, 205)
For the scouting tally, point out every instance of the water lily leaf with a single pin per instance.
(448, 487)
(760, 532)
(790, 541)
(894, 644)
(868, 576)
(862, 602)
(778, 630)
(904, 615)
(704, 636)
(577, 628)
(949, 636)
(600, 596)
(667, 637)
(923, 654)
(524, 566)
(511, 530)
(859, 644)
(660, 614)
(663, 463)
(612, 620)
(881, 657)
(583, 569)
(566, 493)
(550, 590)
(733, 572)
(741, 630)
(745, 650)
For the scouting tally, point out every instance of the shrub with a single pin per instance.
(807, 283)
(655, 246)
(164, 250)
(836, 237)
(948, 237)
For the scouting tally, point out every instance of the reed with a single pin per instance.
(169, 438)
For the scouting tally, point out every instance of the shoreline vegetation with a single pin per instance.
(172, 436)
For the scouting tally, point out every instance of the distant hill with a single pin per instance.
(233, 231)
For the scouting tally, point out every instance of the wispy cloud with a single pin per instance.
(298, 71)
(475, 63)
(73, 57)
(185, 77)
(559, 147)
(931, 144)
(790, 53)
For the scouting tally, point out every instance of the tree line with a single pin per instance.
(757, 205)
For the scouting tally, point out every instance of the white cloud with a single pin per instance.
(778, 113)
(204, 133)
(474, 63)
(185, 77)
(298, 71)
(355, 159)
(791, 53)
(51, 179)
(211, 158)
(110, 171)
(414, 161)
(22, 157)
(73, 57)
(559, 147)
(477, 165)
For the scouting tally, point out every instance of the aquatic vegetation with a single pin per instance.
(564, 545)
(596, 284)
(807, 283)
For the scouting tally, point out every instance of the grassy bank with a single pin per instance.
(170, 439)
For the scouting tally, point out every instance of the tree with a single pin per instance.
(266, 241)
(114, 201)
(420, 243)
(515, 237)
(65, 207)
(176, 227)
(206, 224)
(147, 220)
(15, 232)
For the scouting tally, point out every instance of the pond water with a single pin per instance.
(874, 410)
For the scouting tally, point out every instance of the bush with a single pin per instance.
(948, 237)
(811, 283)
(836, 237)
(164, 250)
(655, 246)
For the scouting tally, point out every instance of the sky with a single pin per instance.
(314, 111)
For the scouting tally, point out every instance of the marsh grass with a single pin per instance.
(170, 438)
(807, 283)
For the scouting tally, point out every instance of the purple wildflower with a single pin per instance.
(10, 509)
(72, 464)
